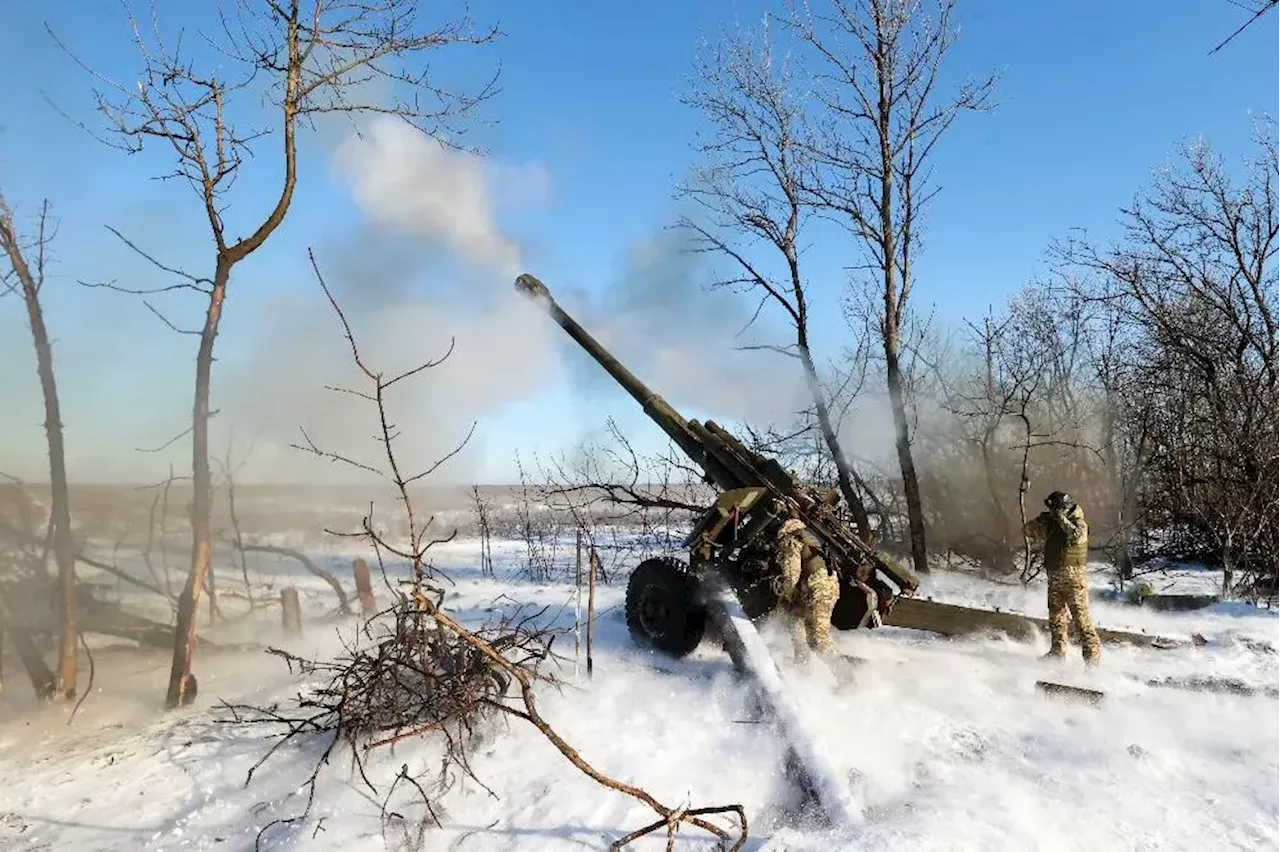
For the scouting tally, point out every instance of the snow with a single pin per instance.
(943, 744)
(839, 809)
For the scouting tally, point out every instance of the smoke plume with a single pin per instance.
(429, 273)
(686, 340)
(427, 268)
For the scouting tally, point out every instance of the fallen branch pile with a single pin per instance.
(409, 678)
(670, 818)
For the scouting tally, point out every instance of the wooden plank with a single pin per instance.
(953, 620)
(1091, 697)
(1211, 683)
(1179, 603)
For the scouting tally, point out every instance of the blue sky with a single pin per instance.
(1092, 96)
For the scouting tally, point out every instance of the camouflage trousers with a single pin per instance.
(808, 593)
(812, 608)
(1068, 601)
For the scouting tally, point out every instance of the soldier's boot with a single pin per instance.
(1091, 645)
(1057, 644)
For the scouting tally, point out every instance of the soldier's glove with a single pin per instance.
(781, 589)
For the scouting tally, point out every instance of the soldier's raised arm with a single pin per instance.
(1066, 519)
(1073, 524)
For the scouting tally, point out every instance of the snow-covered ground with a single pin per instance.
(946, 744)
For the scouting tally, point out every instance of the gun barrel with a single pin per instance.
(727, 463)
(658, 409)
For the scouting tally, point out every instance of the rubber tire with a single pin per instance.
(682, 621)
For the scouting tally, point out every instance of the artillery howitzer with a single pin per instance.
(732, 543)
(729, 576)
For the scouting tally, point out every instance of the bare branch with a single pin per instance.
(1263, 6)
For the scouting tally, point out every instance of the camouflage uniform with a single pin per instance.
(806, 589)
(1066, 547)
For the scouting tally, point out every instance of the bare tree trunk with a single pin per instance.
(184, 635)
(42, 679)
(910, 481)
(172, 104)
(844, 470)
(988, 435)
(211, 588)
(1128, 546)
(896, 264)
(882, 59)
(1023, 487)
(63, 547)
(1228, 567)
(60, 512)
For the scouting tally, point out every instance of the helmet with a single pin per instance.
(1059, 500)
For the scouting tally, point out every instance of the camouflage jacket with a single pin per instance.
(1066, 537)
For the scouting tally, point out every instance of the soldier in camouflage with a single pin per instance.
(1066, 546)
(806, 588)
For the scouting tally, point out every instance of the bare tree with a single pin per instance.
(1024, 408)
(482, 508)
(308, 59)
(980, 402)
(1124, 434)
(751, 190)
(882, 60)
(629, 505)
(1192, 286)
(28, 277)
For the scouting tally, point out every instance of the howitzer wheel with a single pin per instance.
(664, 609)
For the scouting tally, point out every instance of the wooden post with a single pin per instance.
(577, 604)
(364, 587)
(591, 605)
(290, 612)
